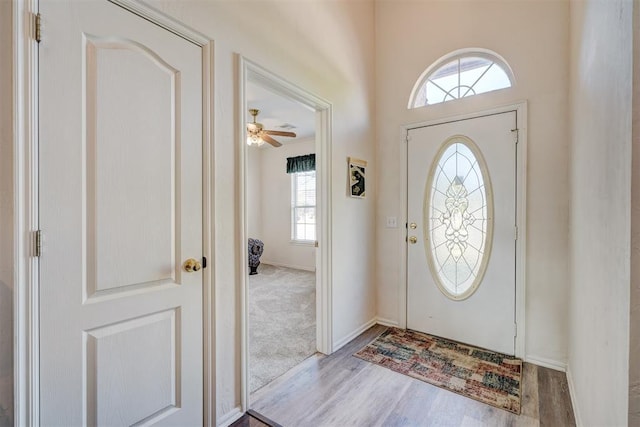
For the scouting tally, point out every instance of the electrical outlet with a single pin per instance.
(392, 222)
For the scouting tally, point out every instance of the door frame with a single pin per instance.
(520, 109)
(248, 70)
(25, 204)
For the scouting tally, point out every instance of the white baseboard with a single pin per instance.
(386, 322)
(546, 363)
(295, 267)
(572, 394)
(341, 343)
(230, 417)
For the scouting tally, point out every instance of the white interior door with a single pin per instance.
(121, 210)
(461, 204)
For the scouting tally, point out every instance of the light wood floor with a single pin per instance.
(341, 390)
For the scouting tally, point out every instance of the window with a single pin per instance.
(303, 206)
(459, 212)
(459, 75)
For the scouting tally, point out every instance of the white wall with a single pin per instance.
(254, 192)
(601, 95)
(634, 321)
(272, 205)
(534, 38)
(6, 216)
(326, 48)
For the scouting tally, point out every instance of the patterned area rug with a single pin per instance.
(484, 375)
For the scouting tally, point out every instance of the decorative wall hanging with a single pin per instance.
(357, 177)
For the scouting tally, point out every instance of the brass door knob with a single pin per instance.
(191, 265)
(413, 240)
(413, 226)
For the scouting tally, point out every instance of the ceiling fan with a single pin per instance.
(256, 135)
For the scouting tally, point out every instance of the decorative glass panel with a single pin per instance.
(458, 209)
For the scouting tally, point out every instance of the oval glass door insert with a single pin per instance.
(458, 218)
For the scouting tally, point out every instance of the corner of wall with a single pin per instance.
(337, 345)
(572, 394)
(546, 362)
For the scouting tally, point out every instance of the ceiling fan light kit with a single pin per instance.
(253, 139)
(256, 135)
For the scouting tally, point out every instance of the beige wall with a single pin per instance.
(533, 38)
(290, 38)
(601, 94)
(634, 321)
(270, 205)
(6, 216)
(254, 192)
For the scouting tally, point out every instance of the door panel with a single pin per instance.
(148, 345)
(121, 210)
(138, 178)
(477, 167)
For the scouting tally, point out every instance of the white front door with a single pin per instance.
(461, 204)
(121, 211)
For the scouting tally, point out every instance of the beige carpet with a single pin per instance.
(282, 322)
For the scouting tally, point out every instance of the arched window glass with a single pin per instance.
(459, 75)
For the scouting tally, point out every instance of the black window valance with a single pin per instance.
(304, 163)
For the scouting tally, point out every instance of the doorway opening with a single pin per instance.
(281, 224)
(285, 164)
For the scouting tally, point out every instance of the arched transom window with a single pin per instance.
(461, 74)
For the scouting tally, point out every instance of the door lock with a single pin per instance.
(191, 265)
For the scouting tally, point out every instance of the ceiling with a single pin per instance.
(276, 111)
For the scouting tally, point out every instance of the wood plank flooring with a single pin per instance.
(341, 390)
(254, 419)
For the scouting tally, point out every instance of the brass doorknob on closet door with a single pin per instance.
(191, 265)
(413, 226)
(413, 240)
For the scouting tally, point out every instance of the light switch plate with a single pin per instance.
(392, 222)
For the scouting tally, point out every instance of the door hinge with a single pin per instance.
(204, 262)
(38, 27)
(515, 232)
(38, 243)
(516, 135)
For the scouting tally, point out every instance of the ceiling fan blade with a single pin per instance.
(270, 140)
(280, 133)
